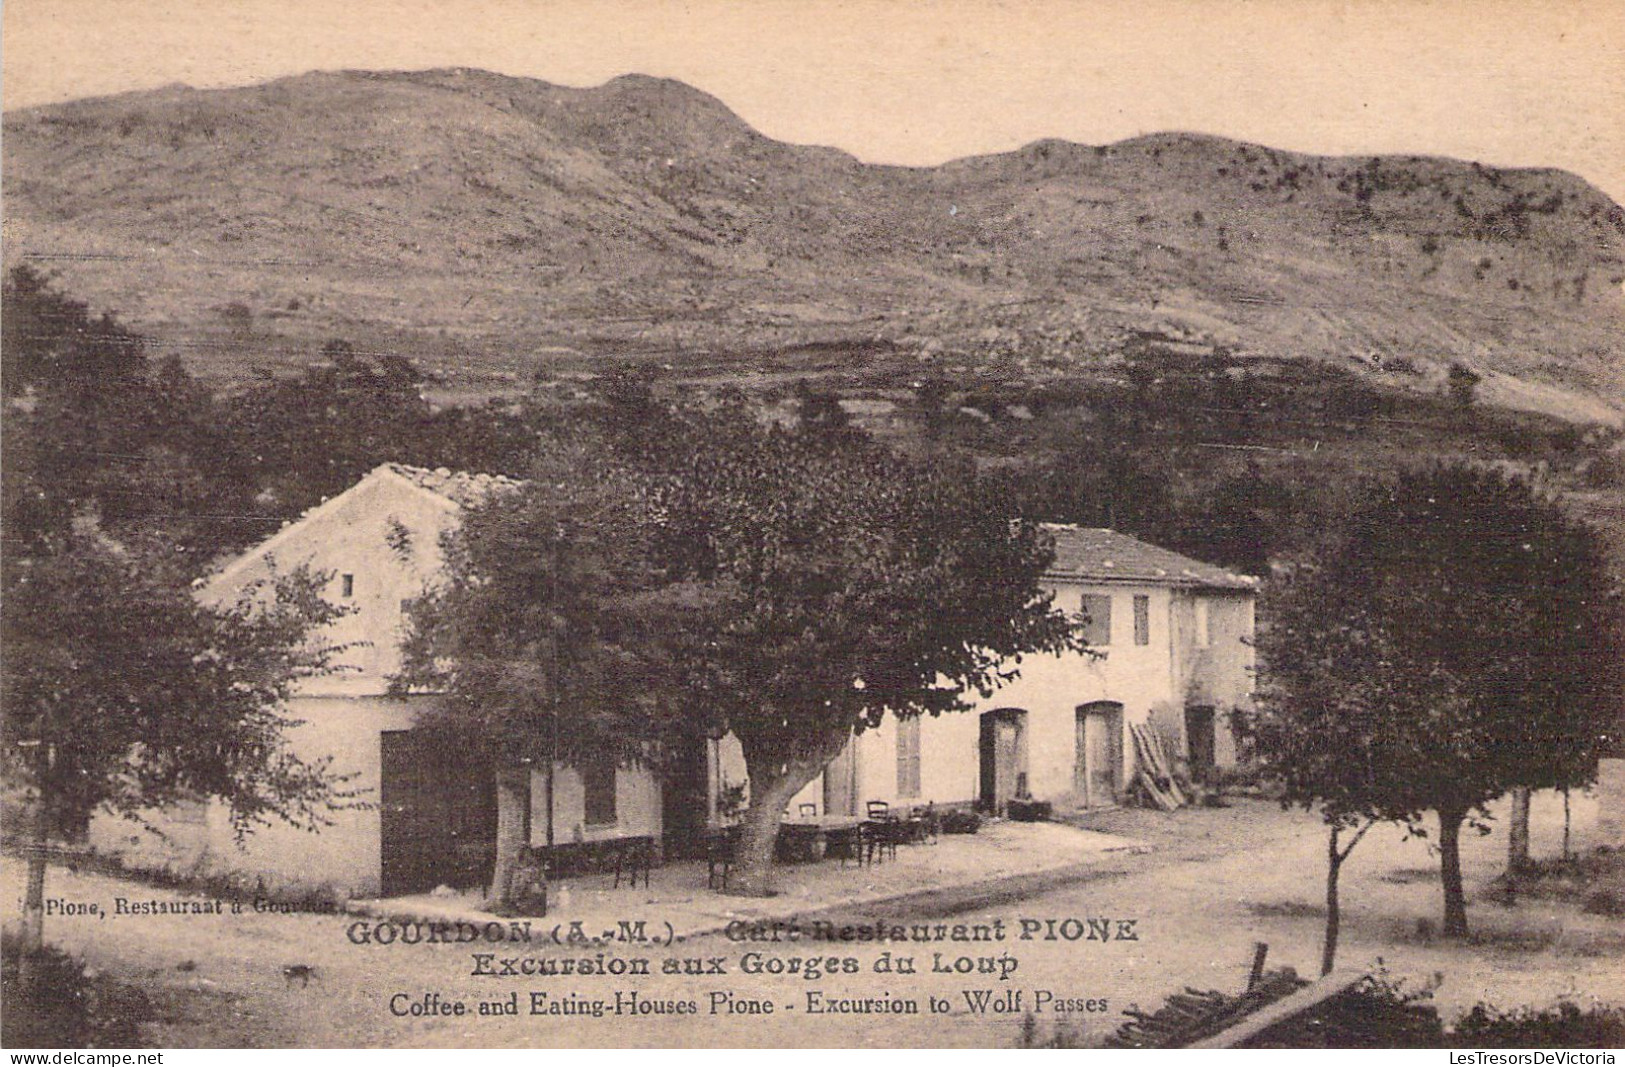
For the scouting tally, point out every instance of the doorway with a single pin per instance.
(1098, 767)
(437, 813)
(684, 801)
(1199, 738)
(1003, 757)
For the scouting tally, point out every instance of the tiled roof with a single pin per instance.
(1090, 553)
(464, 490)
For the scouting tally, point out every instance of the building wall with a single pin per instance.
(727, 768)
(950, 761)
(358, 534)
(1153, 682)
(197, 840)
(1219, 674)
(637, 807)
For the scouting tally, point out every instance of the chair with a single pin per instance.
(634, 855)
(720, 847)
(889, 833)
(882, 830)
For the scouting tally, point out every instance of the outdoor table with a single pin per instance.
(804, 839)
(822, 822)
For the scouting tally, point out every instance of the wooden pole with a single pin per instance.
(1260, 952)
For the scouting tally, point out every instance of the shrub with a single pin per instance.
(1461, 383)
(1608, 902)
(69, 1007)
(961, 822)
(1565, 1026)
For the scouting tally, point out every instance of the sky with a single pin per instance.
(1519, 83)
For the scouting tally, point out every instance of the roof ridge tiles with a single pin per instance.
(1101, 553)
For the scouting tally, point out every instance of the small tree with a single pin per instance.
(122, 693)
(1459, 639)
(537, 634)
(1322, 723)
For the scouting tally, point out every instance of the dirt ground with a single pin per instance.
(1219, 881)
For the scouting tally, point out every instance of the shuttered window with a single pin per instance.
(1098, 630)
(1142, 620)
(908, 757)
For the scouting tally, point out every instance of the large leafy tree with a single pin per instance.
(123, 693)
(1461, 637)
(316, 434)
(91, 424)
(539, 633)
(830, 582)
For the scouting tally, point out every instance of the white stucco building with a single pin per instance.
(1172, 643)
(1170, 636)
(429, 807)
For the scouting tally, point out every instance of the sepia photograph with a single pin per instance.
(813, 524)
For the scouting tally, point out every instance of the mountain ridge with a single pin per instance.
(477, 216)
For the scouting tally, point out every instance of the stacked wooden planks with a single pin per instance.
(1154, 770)
(1191, 1016)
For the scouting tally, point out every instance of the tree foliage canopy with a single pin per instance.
(538, 631)
(122, 692)
(1460, 638)
(93, 425)
(845, 581)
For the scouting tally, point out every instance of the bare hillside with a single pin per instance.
(469, 217)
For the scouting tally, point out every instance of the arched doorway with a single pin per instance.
(1098, 767)
(1003, 757)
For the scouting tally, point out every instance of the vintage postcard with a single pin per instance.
(983, 523)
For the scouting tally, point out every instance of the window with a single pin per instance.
(347, 586)
(1203, 635)
(1098, 629)
(1142, 620)
(908, 756)
(598, 793)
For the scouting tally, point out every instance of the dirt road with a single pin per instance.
(1138, 927)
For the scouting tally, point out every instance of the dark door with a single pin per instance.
(684, 807)
(1199, 742)
(437, 814)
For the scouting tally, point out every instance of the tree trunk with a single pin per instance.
(513, 803)
(1518, 831)
(1334, 865)
(759, 829)
(773, 781)
(1566, 823)
(1455, 902)
(33, 931)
